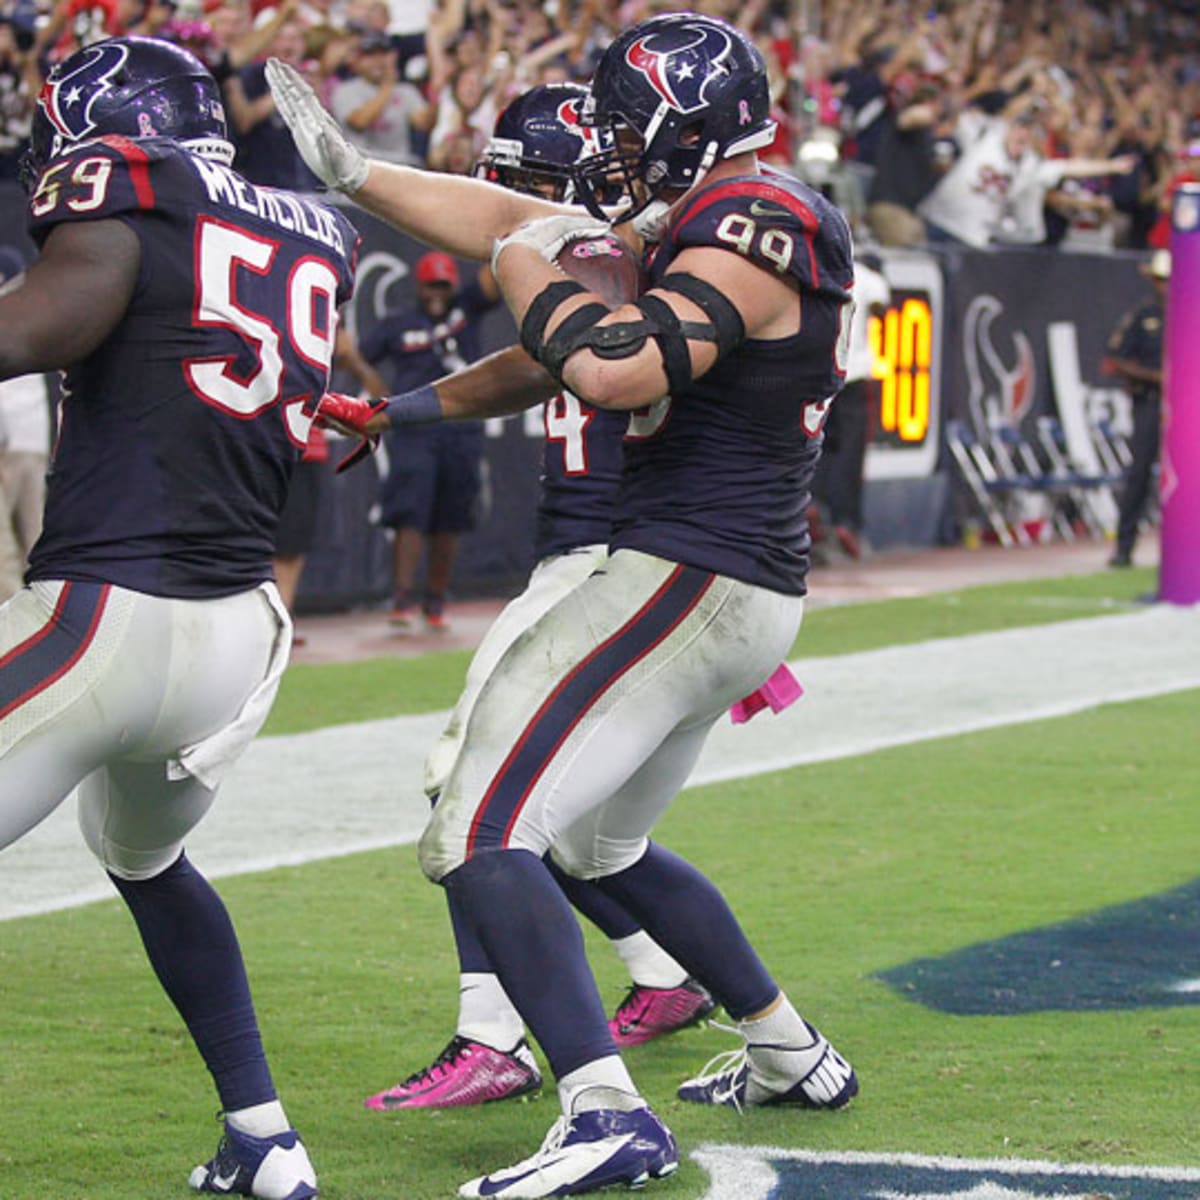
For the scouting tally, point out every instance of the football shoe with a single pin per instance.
(271, 1168)
(811, 1076)
(465, 1073)
(648, 1012)
(586, 1152)
(402, 616)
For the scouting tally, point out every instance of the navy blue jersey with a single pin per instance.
(179, 433)
(414, 349)
(719, 476)
(581, 468)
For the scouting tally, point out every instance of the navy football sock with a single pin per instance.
(590, 899)
(534, 945)
(194, 951)
(689, 918)
(472, 957)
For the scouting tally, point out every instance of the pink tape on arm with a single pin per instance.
(780, 691)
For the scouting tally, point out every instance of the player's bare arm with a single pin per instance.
(766, 304)
(452, 212)
(72, 297)
(499, 385)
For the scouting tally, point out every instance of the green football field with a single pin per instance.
(839, 871)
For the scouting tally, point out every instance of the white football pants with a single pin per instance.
(140, 701)
(551, 580)
(594, 717)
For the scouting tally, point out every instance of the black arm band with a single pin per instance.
(671, 337)
(570, 333)
(727, 321)
(539, 312)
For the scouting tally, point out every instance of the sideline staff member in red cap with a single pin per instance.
(432, 485)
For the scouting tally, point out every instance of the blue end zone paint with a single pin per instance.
(771, 1173)
(1145, 954)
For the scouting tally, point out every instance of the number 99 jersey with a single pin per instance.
(719, 476)
(178, 435)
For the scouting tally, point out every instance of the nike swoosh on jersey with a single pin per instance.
(760, 208)
(224, 1183)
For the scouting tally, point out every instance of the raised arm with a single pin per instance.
(455, 213)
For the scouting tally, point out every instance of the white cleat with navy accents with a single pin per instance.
(271, 1168)
(811, 1076)
(585, 1152)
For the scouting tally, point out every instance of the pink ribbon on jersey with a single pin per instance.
(779, 692)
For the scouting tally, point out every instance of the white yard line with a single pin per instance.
(357, 787)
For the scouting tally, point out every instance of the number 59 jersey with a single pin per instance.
(178, 435)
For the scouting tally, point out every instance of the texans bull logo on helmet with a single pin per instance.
(680, 63)
(67, 98)
(568, 117)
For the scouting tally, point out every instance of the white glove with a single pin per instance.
(651, 223)
(548, 235)
(319, 138)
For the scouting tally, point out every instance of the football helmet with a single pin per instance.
(692, 88)
(537, 140)
(137, 87)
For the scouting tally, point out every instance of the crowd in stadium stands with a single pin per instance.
(1064, 123)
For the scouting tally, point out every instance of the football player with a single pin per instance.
(596, 715)
(536, 141)
(193, 316)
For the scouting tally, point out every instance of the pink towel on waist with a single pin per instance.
(781, 690)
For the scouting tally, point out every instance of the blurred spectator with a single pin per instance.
(904, 166)
(432, 485)
(379, 110)
(24, 453)
(1186, 169)
(996, 191)
(466, 115)
(19, 84)
(1079, 211)
(266, 153)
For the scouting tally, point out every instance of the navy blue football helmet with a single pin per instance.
(694, 90)
(537, 140)
(137, 87)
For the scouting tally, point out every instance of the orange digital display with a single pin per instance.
(902, 352)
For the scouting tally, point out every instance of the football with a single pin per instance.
(604, 265)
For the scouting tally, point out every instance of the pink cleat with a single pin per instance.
(465, 1073)
(648, 1012)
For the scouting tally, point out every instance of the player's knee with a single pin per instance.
(440, 849)
(594, 858)
(125, 863)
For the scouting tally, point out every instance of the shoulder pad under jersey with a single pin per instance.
(775, 221)
(105, 178)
